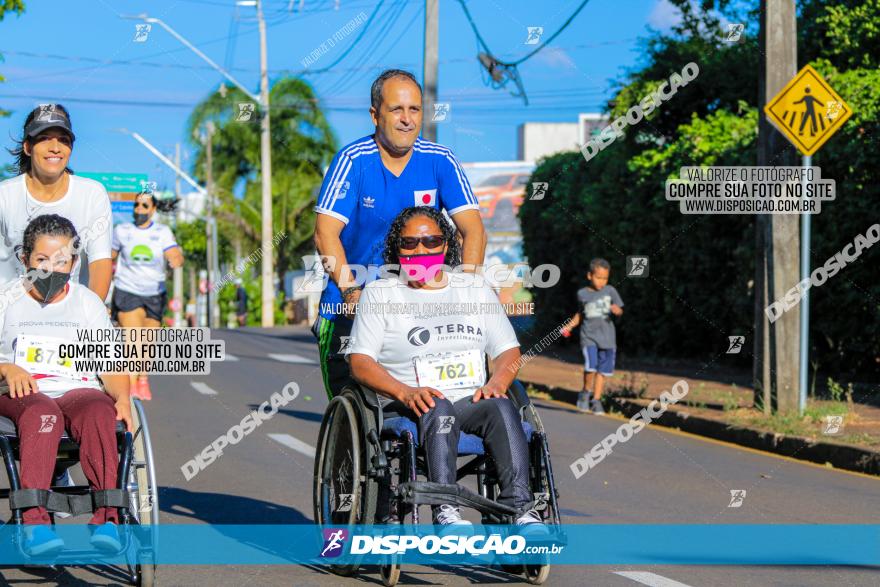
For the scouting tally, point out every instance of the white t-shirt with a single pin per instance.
(140, 267)
(86, 204)
(396, 323)
(81, 308)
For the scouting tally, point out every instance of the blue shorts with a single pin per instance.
(601, 360)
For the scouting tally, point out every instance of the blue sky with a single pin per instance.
(50, 52)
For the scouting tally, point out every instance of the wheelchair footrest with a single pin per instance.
(427, 493)
(70, 503)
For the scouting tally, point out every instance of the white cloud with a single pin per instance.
(555, 57)
(664, 15)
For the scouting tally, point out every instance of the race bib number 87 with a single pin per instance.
(39, 355)
(451, 371)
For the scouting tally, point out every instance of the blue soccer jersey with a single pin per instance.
(362, 193)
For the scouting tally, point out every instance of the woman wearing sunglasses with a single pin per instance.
(420, 342)
(140, 250)
(46, 185)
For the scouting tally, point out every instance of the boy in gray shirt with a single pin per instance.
(598, 302)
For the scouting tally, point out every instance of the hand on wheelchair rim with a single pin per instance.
(419, 399)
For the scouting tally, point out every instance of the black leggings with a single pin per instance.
(494, 420)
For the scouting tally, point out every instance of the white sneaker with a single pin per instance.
(449, 515)
(531, 523)
(63, 480)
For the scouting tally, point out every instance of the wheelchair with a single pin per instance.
(136, 495)
(357, 448)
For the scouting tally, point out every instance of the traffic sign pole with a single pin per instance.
(808, 112)
(805, 303)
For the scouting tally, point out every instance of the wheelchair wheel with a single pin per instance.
(339, 486)
(390, 574)
(537, 574)
(143, 494)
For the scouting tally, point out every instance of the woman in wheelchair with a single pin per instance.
(43, 395)
(420, 341)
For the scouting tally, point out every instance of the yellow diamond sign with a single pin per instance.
(807, 111)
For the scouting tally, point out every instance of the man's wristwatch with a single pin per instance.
(348, 290)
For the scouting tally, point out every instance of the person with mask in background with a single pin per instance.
(47, 185)
(43, 395)
(140, 250)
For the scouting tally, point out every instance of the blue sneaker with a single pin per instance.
(106, 537)
(40, 540)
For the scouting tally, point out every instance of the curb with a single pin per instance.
(841, 456)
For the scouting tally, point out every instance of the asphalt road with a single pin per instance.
(659, 476)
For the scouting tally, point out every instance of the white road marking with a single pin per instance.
(650, 579)
(293, 359)
(294, 443)
(203, 388)
(231, 358)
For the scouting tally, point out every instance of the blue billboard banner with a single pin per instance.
(122, 211)
(575, 544)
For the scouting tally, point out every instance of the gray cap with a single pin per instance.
(48, 116)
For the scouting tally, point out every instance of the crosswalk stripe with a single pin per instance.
(294, 443)
(203, 388)
(650, 579)
(293, 359)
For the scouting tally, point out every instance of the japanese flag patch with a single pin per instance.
(425, 197)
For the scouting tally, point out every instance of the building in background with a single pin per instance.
(540, 139)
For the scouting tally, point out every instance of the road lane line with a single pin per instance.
(203, 388)
(294, 443)
(231, 358)
(299, 359)
(650, 579)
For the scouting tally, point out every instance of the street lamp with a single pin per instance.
(267, 270)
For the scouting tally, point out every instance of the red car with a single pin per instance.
(501, 186)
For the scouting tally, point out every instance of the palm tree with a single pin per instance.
(302, 146)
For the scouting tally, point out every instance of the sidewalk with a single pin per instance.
(720, 405)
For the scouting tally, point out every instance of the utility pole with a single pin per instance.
(429, 74)
(776, 236)
(268, 273)
(210, 229)
(177, 271)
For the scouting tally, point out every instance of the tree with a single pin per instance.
(16, 6)
(700, 288)
(302, 146)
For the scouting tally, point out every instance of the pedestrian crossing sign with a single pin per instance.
(807, 111)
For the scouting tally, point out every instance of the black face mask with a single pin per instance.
(48, 285)
(140, 218)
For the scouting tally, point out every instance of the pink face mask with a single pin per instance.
(422, 268)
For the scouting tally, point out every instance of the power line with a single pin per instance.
(501, 72)
(471, 106)
(355, 42)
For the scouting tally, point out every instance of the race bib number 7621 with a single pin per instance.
(452, 370)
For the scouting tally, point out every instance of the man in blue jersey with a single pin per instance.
(368, 183)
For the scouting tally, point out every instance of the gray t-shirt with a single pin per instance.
(597, 329)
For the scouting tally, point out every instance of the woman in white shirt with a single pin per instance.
(140, 250)
(46, 185)
(43, 394)
(432, 329)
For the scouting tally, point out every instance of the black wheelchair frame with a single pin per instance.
(352, 459)
(136, 493)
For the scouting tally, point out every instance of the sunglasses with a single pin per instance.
(432, 241)
(142, 205)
